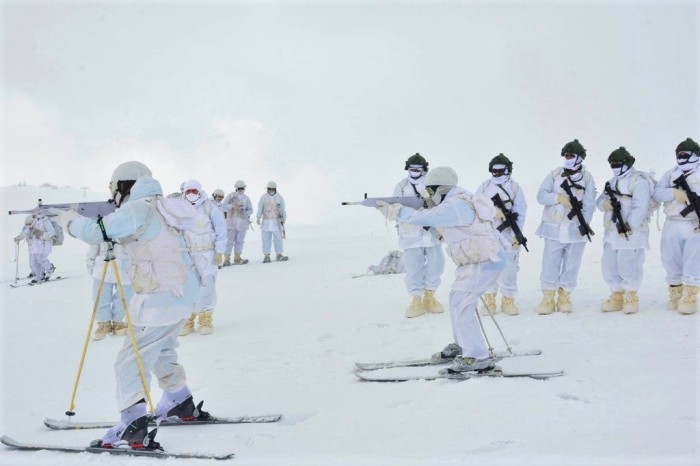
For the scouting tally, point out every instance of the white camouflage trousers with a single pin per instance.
(424, 267)
(622, 268)
(508, 280)
(206, 301)
(157, 347)
(680, 253)
(235, 241)
(40, 264)
(466, 330)
(110, 306)
(560, 265)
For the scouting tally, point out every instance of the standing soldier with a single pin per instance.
(422, 252)
(565, 235)
(238, 211)
(165, 286)
(39, 235)
(680, 239)
(502, 185)
(271, 216)
(217, 198)
(467, 221)
(207, 242)
(625, 203)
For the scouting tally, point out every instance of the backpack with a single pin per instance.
(649, 177)
(57, 240)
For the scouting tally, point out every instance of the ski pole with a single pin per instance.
(16, 262)
(132, 334)
(71, 408)
(510, 350)
(483, 331)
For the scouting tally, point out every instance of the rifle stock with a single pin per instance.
(413, 202)
(510, 221)
(576, 211)
(86, 209)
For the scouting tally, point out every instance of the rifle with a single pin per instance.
(693, 199)
(510, 221)
(576, 211)
(281, 220)
(622, 227)
(408, 201)
(86, 209)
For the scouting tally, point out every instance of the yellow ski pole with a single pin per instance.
(71, 408)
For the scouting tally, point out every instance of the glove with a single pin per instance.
(389, 211)
(628, 228)
(258, 221)
(64, 217)
(218, 258)
(564, 200)
(681, 196)
(17, 239)
(515, 243)
(500, 216)
(607, 205)
(46, 236)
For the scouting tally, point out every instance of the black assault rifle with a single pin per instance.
(86, 209)
(693, 198)
(510, 221)
(408, 201)
(620, 224)
(576, 211)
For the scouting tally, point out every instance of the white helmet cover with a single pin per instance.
(240, 184)
(441, 176)
(271, 185)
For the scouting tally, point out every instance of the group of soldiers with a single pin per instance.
(569, 198)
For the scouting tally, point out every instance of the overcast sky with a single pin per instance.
(329, 98)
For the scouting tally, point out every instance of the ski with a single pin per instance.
(372, 366)
(444, 374)
(55, 424)
(50, 280)
(15, 445)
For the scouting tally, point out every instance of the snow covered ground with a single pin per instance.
(287, 336)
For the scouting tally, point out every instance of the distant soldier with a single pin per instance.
(271, 216)
(238, 210)
(39, 235)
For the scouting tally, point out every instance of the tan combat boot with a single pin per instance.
(227, 261)
(631, 302)
(564, 301)
(689, 301)
(508, 306)
(103, 329)
(238, 260)
(613, 303)
(119, 328)
(674, 295)
(189, 326)
(490, 304)
(281, 257)
(266, 259)
(206, 326)
(431, 304)
(416, 308)
(547, 304)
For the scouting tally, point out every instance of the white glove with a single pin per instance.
(46, 236)
(607, 205)
(515, 243)
(64, 217)
(681, 196)
(564, 200)
(389, 211)
(17, 239)
(500, 216)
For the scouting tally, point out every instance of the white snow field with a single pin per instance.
(287, 336)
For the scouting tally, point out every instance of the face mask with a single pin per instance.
(271, 192)
(572, 164)
(415, 174)
(192, 197)
(500, 179)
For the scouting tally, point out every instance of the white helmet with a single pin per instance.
(124, 177)
(218, 192)
(271, 185)
(240, 184)
(28, 220)
(441, 176)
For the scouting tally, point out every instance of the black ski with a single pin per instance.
(445, 374)
(55, 424)
(14, 444)
(371, 366)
